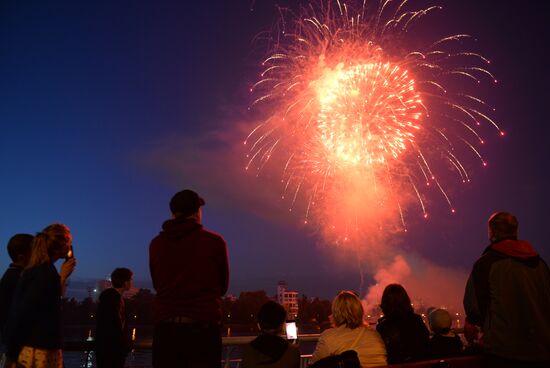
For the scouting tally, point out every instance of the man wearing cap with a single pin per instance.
(508, 297)
(190, 274)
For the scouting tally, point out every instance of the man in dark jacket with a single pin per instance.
(112, 340)
(190, 274)
(508, 297)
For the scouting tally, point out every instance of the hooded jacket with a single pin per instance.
(190, 272)
(270, 351)
(508, 295)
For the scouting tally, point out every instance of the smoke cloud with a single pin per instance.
(427, 284)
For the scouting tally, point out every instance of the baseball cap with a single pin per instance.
(186, 203)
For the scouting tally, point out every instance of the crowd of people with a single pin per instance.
(506, 299)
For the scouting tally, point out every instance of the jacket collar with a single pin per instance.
(514, 248)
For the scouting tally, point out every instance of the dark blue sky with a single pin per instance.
(107, 108)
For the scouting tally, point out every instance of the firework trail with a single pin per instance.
(358, 123)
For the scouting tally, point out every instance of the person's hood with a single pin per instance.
(270, 345)
(515, 248)
(179, 228)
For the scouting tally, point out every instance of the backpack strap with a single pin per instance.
(357, 338)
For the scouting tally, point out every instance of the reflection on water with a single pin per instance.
(86, 359)
(136, 359)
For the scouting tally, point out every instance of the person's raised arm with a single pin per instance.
(67, 269)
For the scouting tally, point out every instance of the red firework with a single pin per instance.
(351, 110)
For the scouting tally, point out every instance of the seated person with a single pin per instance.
(403, 331)
(350, 333)
(269, 349)
(444, 343)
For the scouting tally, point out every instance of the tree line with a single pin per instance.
(239, 310)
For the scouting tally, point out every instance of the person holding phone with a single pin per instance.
(33, 331)
(269, 349)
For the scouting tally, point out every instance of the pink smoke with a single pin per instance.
(426, 283)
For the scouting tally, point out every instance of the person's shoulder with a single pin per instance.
(370, 331)
(46, 269)
(250, 355)
(386, 322)
(489, 256)
(41, 278)
(335, 332)
(109, 294)
(293, 351)
(9, 281)
(329, 331)
(212, 236)
(11, 273)
(157, 239)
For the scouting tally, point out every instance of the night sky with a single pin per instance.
(107, 108)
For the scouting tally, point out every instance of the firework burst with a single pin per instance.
(350, 108)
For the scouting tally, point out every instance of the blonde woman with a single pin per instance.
(350, 333)
(34, 327)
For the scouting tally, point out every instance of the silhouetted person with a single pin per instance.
(33, 330)
(112, 339)
(350, 333)
(404, 333)
(19, 250)
(269, 349)
(444, 343)
(508, 297)
(190, 274)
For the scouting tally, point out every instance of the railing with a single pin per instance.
(230, 344)
(234, 342)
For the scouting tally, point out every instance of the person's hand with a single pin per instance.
(67, 268)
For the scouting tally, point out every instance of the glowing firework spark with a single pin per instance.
(351, 110)
(366, 113)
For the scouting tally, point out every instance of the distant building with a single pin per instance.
(288, 299)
